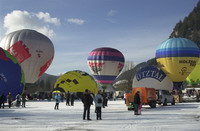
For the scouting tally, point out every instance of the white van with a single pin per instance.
(164, 97)
(191, 94)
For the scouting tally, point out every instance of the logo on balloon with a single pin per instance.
(39, 52)
(96, 66)
(120, 67)
(184, 70)
(2, 77)
(190, 62)
(45, 67)
(150, 72)
(20, 51)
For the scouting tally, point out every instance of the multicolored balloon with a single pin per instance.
(75, 81)
(177, 57)
(33, 50)
(105, 64)
(11, 74)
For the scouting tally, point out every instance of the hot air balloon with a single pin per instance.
(124, 81)
(105, 64)
(152, 77)
(177, 57)
(11, 74)
(194, 77)
(75, 81)
(33, 50)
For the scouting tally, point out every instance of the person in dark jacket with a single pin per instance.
(72, 99)
(18, 99)
(24, 97)
(68, 95)
(87, 102)
(2, 100)
(105, 99)
(10, 99)
(136, 102)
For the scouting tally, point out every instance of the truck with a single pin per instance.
(148, 97)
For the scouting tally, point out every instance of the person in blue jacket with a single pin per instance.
(57, 99)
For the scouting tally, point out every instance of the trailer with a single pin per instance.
(147, 95)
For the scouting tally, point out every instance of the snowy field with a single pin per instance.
(41, 116)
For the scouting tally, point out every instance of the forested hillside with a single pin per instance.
(189, 27)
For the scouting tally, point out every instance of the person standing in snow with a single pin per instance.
(9, 99)
(57, 99)
(68, 98)
(137, 102)
(18, 99)
(98, 104)
(87, 102)
(24, 97)
(105, 99)
(72, 99)
(2, 100)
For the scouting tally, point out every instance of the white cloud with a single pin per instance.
(17, 20)
(111, 12)
(110, 15)
(47, 18)
(76, 21)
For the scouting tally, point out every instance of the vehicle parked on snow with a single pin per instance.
(191, 94)
(148, 97)
(164, 97)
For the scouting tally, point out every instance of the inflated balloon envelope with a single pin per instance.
(11, 74)
(33, 50)
(75, 81)
(194, 77)
(177, 57)
(152, 77)
(105, 64)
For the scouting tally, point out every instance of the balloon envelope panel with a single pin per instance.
(76, 81)
(194, 76)
(152, 77)
(11, 74)
(176, 70)
(33, 50)
(177, 57)
(105, 64)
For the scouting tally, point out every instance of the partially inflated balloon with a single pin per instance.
(194, 77)
(75, 81)
(11, 74)
(33, 50)
(105, 64)
(152, 77)
(177, 57)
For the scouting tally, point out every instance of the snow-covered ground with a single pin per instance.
(41, 116)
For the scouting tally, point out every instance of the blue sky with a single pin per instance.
(76, 27)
